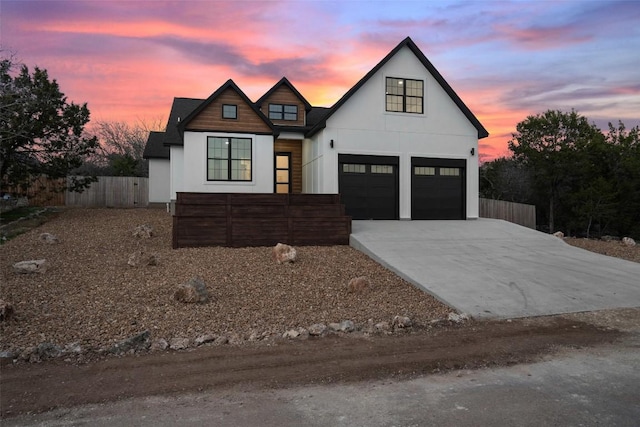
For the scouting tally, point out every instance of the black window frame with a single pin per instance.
(229, 159)
(279, 112)
(403, 96)
(289, 182)
(235, 108)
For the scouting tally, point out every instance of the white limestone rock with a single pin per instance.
(30, 267)
(284, 253)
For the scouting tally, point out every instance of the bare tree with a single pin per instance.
(122, 145)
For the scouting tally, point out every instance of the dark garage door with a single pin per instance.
(438, 188)
(369, 186)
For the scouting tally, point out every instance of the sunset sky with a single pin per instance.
(505, 59)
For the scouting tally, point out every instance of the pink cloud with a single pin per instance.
(539, 38)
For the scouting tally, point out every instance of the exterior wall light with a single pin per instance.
(331, 143)
(473, 151)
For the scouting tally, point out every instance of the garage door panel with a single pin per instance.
(437, 189)
(369, 186)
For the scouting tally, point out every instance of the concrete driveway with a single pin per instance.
(492, 268)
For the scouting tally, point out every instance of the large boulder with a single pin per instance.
(359, 285)
(284, 253)
(29, 267)
(628, 241)
(194, 291)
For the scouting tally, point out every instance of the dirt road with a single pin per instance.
(41, 387)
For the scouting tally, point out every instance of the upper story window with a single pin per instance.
(404, 95)
(283, 112)
(228, 159)
(229, 111)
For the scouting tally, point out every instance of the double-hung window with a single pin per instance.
(404, 95)
(228, 159)
(283, 112)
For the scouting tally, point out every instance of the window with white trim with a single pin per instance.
(404, 95)
(228, 159)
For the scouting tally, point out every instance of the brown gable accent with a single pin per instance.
(284, 95)
(210, 118)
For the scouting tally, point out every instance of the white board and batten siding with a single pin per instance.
(159, 178)
(189, 166)
(362, 126)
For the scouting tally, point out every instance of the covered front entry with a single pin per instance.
(287, 175)
(368, 186)
(438, 188)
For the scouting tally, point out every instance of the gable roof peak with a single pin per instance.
(409, 43)
(284, 82)
(229, 84)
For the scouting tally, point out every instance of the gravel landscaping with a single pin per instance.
(614, 248)
(89, 295)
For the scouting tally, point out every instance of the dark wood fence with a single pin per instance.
(240, 219)
(517, 213)
(43, 191)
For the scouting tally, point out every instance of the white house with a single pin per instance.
(159, 167)
(400, 144)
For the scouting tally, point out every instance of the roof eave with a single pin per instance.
(482, 132)
(228, 84)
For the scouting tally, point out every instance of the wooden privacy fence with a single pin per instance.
(517, 213)
(113, 191)
(241, 219)
(43, 191)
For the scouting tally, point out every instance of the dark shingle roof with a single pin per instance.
(155, 148)
(316, 114)
(482, 132)
(180, 109)
(284, 82)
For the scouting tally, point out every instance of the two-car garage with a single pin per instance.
(370, 187)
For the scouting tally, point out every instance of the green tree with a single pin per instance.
(624, 160)
(550, 145)
(40, 132)
(123, 164)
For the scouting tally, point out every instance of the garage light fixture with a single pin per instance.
(473, 151)
(331, 143)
